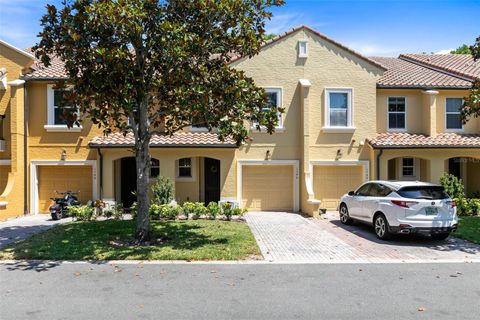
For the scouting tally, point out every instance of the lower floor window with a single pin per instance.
(408, 167)
(154, 168)
(185, 168)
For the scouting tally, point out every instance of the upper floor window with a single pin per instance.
(453, 121)
(56, 103)
(338, 108)
(408, 167)
(302, 49)
(396, 113)
(274, 96)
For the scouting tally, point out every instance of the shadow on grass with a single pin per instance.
(93, 241)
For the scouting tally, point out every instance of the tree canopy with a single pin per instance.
(155, 67)
(471, 105)
(463, 49)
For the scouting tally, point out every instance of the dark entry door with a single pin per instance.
(454, 167)
(129, 181)
(212, 180)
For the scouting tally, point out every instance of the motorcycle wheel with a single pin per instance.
(56, 215)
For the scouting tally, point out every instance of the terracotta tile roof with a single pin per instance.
(180, 139)
(405, 74)
(400, 140)
(55, 71)
(459, 64)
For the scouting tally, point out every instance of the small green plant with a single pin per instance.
(188, 209)
(170, 212)
(82, 213)
(114, 211)
(227, 210)
(239, 211)
(453, 186)
(213, 210)
(199, 211)
(155, 211)
(163, 191)
(133, 210)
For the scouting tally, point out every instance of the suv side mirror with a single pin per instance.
(351, 193)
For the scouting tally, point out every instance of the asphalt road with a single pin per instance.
(253, 291)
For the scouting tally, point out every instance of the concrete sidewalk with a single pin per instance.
(21, 228)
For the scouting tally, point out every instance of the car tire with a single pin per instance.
(440, 236)
(344, 216)
(381, 227)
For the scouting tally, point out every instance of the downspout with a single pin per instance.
(25, 150)
(378, 163)
(100, 156)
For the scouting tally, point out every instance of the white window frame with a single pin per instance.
(279, 127)
(300, 44)
(447, 113)
(193, 170)
(414, 167)
(51, 126)
(396, 112)
(339, 129)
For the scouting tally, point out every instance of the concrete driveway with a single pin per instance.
(288, 237)
(14, 230)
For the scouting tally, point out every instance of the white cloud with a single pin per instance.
(445, 51)
(372, 49)
(283, 22)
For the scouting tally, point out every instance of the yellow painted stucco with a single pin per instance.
(303, 137)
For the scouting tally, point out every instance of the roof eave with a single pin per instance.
(177, 146)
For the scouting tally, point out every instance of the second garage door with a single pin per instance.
(268, 188)
(63, 178)
(332, 182)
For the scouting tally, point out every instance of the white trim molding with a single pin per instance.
(446, 113)
(25, 54)
(34, 164)
(5, 162)
(350, 105)
(364, 163)
(279, 128)
(404, 129)
(51, 126)
(296, 169)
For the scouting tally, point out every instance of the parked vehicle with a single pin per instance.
(58, 210)
(401, 207)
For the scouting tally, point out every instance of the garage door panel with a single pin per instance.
(63, 178)
(267, 188)
(332, 182)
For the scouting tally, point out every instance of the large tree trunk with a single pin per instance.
(142, 158)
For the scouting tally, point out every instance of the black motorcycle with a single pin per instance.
(59, 210)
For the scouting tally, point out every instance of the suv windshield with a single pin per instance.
(423, 192)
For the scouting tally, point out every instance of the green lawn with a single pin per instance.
(469, 229)
(108, 240)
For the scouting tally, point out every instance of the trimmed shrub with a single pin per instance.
(199, 211)
(82, 213)
(227, 210)
(188, 209)
(213, 210)
(155, 211)
(163, 191)
(453, 186)
(239, 211)
(170, 212)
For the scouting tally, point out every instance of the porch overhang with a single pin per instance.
(178, 140)
(402, 140)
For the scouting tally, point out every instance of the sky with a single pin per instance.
(371, 27)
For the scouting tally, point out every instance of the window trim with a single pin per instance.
(193, 170)
(279, 128)
(446, 113)
(388, 115)
(154, 167)
(340, 129)
(414, 167)
(51, 126)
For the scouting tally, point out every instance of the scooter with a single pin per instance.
(58, 210)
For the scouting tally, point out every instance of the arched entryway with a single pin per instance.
(468, 170)
(126, 179)
(409, 169)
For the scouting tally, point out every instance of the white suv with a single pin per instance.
(401, 207)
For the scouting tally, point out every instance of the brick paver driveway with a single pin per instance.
(288, 237)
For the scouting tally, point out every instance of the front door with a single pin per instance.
(212, 180)
(128, 181)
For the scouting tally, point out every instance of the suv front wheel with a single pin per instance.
(344, 216)
(381, 227)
